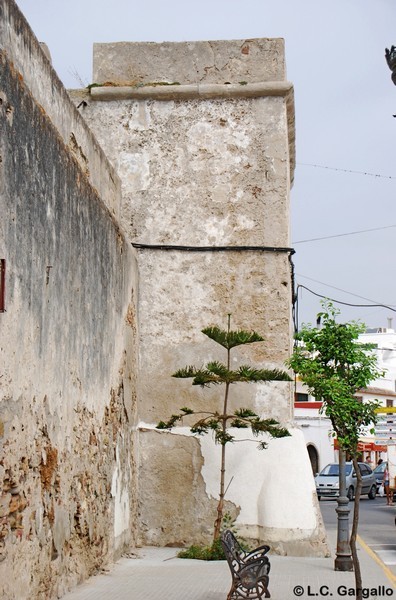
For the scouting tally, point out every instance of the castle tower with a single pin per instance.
(202, 137)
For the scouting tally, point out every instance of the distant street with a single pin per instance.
(376, 526)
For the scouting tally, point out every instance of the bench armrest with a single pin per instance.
(260, 551)
(252, 572)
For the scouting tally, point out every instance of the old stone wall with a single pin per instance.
(25, 53)
(67, 338)
(202, 137)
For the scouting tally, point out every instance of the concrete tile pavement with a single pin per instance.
(157, 575)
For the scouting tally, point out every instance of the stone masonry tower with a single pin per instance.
(202, 137)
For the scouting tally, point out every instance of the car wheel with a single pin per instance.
(373, 492)
(350, 493)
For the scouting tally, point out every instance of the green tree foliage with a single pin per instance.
(334, 366)
(221, 424)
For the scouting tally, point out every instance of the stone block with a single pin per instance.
(224, 61)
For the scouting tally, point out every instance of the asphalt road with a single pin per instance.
(376, 520)
(376, 526)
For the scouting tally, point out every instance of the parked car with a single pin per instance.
(327, 484)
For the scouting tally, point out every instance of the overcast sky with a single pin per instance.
(344, 105)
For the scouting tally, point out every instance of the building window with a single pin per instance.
(299, 397)
(389, 403)
(2, 284)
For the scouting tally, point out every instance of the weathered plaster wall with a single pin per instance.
(206, 162)
(67, 345)
(23, 49)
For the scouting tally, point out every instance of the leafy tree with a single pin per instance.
(221, 423)
(334, 365)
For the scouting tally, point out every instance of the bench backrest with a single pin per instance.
(232, 549)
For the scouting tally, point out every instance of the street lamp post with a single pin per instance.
(343, 560)
(390, 55)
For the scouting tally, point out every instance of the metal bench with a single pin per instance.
(249, 570)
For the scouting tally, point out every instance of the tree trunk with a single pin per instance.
(355, 523)
(220, 505)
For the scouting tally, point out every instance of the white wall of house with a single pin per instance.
(316, 427)
(385, 339)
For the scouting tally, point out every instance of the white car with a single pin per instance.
(327, 483)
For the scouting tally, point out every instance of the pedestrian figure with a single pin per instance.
(387, 488)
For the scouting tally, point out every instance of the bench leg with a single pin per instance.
(267, 594)
(256, 593)
(262, 590)
(232, 592)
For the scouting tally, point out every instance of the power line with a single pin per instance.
(345, 303)
(378, 175)
(375, 303)
(328, 237)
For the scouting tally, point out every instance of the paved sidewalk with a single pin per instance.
(158, 575)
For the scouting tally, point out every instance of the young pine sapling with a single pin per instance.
(221, 423)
